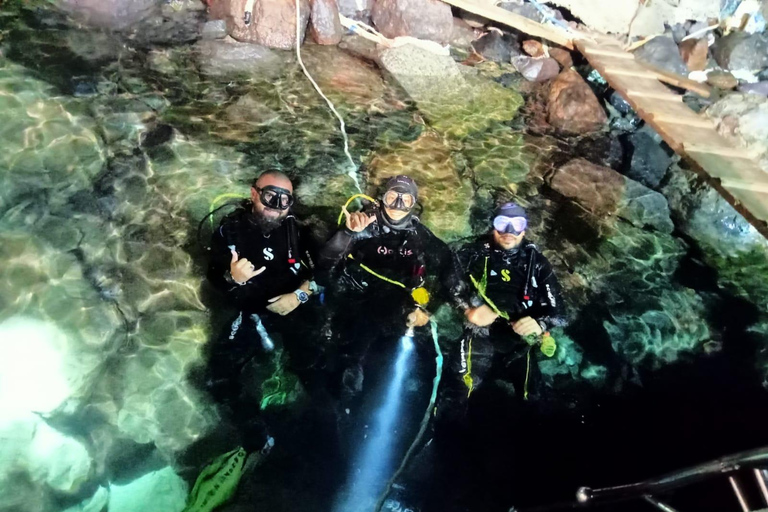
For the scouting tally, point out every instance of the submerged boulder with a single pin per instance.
(324, 24)
(572, 106)
(497, 46)
(272, 23)
(536, 69)
(445, 196)
(227, 56)
(649, 162)
(742, 51)
(111, 13)
(423, 19)
(159, 490)
(662, 52)
(605, 193)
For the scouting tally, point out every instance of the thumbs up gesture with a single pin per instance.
(241, 269)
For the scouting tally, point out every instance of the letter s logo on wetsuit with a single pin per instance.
(505, 275)
(268, 255)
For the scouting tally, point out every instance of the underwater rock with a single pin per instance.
(324, 24)
(744, 119)
(227, 56)
(499, 158)
(662, 52)
(455, 99)
(729, 243)
(272, 22)
(722, 80)
(562, 56)
(649, 161)
(661, 331)
(759, 88)
(572, 106)
(463, 34)
(118, 14)
(497, 46)
(96, 503)
(446, 198)
(742, 51)
(359, 10)
(47, 459)
(423, 19)
(215, 29)
(346, 78)
(605, 192)
(695, 53)
(161, 490)
(536, 69)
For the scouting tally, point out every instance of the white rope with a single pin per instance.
(353, 168)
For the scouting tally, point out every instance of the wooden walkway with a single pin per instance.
(731, 169)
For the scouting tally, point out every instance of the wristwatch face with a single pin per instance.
(302, 296)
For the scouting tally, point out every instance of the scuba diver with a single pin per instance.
(388, 274)
(517, 300)
(263, 266)
(389, 269)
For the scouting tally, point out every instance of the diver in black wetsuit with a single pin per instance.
(516, 299)
(263, 266)
(391, 272)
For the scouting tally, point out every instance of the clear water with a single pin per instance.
(662, 365)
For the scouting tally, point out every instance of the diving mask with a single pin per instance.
(274, 197)
(513, 225)
(398, 200)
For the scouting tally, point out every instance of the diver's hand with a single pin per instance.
(242, 270)
(527, 326)
(481, 316)
(358, 221)
(283, 304)
(418, 318)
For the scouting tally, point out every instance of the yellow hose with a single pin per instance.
(349, 201)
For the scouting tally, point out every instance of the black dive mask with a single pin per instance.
(398, 200)
(274, 197)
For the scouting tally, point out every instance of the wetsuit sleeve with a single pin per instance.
(447, 271)
(467, 296)
(219, 262)
(310, 252)
(553, 308)
(334, 250)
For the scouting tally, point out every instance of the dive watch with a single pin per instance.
(302, 296)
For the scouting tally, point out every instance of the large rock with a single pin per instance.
(662, 52)
(744, 119)
(356, 9)
(445, 196)
(694, 53)
(455, 99)
(572, 106)
(649, 162)
(272, 24)
(324, 24)
(423, 19)
(536, 69)
(741, 51)
(606, 193)
(111, 13)
(46, 458)
(496, 46)
(161, 490)
(228, 56)
(662, 331)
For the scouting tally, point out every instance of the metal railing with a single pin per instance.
(647, 490)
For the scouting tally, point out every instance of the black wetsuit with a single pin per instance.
(241, 343)
(520, 283)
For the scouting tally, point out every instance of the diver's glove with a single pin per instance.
(548, 344)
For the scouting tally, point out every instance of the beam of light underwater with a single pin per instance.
(375, 460)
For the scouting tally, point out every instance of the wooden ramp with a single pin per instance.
(730, 168)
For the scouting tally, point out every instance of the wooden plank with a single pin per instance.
(745, 185)
(679, 81)
(722, 150)
(516, 21)
(754, 202)
(654, 95)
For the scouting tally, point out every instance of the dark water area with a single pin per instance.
(113, 151)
